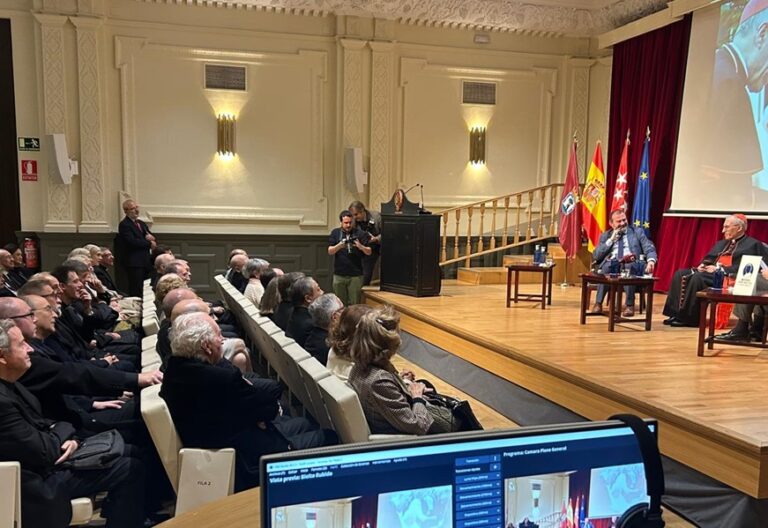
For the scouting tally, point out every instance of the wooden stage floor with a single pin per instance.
(713, 410)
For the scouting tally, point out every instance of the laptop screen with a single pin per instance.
(588, 473)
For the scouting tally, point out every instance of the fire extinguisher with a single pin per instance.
(31, 254)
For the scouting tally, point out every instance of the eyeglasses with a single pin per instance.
(23, 316)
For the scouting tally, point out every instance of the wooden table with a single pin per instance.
(710, 298)
(546, 284)
(241, 510)
(615, 285)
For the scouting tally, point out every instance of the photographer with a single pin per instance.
(348, 245)
(370, 222)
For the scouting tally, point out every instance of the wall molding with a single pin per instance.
(382, 109)
(547, 79)
(130, 49)
(58, 210)
(89, 35)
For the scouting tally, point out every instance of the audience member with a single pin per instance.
(181, 268)
(303, 292)
(19, 265)
(42, 446)
(101, 269)
(270, 300)
(136, 243)
(323, 310)
(166, 283)
(14, 278)
(682, 306)
(252, 272)
(370, 222)
(340, 337)
(348, 245)
(391, 405)
(285, 307)
(235, 274)
(215, 408)
(159, 265)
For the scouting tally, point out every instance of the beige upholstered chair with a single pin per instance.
(10, 499)
(312, 371)
(197, 475)
(347, 413)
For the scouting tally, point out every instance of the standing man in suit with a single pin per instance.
(138, 241)
(621, 242)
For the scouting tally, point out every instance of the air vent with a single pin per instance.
(219, 77)
(478, 93)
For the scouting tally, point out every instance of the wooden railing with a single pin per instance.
(534, 215)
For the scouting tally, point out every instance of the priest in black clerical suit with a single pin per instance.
(682, 306)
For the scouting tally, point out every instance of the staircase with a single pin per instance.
(511, 223)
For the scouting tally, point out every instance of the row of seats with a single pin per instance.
(197, 475)
(331, 402)
(10, 472)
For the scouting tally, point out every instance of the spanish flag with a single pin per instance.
(593, 200)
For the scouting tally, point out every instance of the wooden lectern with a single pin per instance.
(410, 248)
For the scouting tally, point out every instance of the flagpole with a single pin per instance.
(564, 285)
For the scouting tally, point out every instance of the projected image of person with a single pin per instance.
(737, 123)
(416, 508)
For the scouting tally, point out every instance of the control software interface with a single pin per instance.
(579, 475)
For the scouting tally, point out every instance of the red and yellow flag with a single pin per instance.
(593, 200)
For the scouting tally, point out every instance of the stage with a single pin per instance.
(713, 411)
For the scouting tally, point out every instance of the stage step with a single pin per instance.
(482, 275)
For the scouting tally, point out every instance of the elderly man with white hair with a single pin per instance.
(14, 279)
(214, 407)
(682, 306)
(235, 273)
(323, 310)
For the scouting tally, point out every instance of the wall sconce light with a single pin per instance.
(477, 145)
(225, 135)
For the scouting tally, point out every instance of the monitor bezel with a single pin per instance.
(438, 439)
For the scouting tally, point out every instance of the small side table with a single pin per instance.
(546, 284)
(709, 300)
(615, 285)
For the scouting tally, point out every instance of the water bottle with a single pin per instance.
(718, 278)
(639, 266)
(537, 254)
(543, 256)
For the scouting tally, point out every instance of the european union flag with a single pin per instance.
(641, 210)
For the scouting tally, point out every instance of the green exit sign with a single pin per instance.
(29, 143)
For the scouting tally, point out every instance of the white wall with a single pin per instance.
(124, 81)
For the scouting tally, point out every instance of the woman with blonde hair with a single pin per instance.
(340, 336)
(390, 404)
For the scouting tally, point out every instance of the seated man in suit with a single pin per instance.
(682, 306)
(14, 278)
(746, 312)
(622, 242)
(234, 273)
(214, 407)
(302, 292)
(324, 310)
(42, 446)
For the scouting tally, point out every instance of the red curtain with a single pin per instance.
(647, 90)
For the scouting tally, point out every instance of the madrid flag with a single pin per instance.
(620, 189)
(593, 200)
(570, 217)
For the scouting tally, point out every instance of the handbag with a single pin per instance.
(99, 451)
(461, 410)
